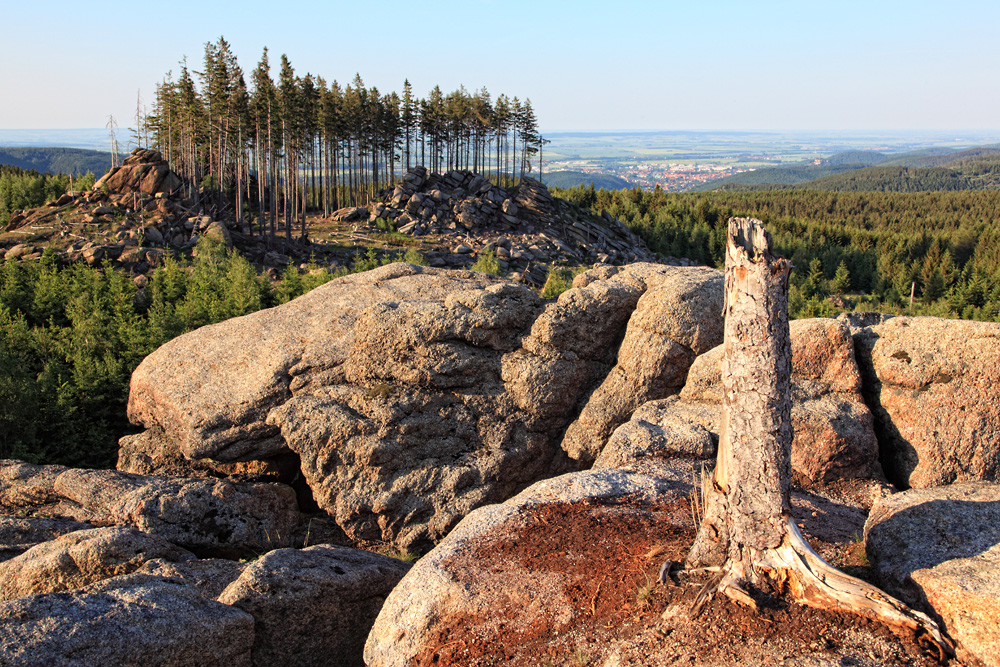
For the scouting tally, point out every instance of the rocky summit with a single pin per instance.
(542, 455)
(138, 214)
(412, 395)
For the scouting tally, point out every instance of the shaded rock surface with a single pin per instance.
(939, 549)
(26, 485)
(932, 384)
(677, 318)
(81, 558)
(139, 621)
(313, 606)
(200, 514)
(20, 533)
(664, 429)
(151, 453)
(207, 576)
(834, 437)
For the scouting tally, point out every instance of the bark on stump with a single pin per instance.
(748, 535)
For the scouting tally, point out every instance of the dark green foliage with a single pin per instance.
(73, 161)
(558, 281)
(841, 279)
(880, 244)
(893, 179)
(21, 189)
(71, 337)
(869, 171)
(486, 262)
(571, 179)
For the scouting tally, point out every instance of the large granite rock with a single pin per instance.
(80, 558)
(834, 437)
(677, 318)
(413, 395)
(313, 606)
(932, 385)
(200, 514)
(939, 550)
(210, 391)
(144, 171)
(136, 621)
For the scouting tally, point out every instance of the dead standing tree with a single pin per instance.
(747, 536)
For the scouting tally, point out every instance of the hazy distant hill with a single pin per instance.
(571, 179)
(870, 171)
(790, 175)
(863, 158)
(940, 157)
(892, 179)
(73, 161)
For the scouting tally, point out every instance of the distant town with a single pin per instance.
(670, 177)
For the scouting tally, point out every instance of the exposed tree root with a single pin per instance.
(794, 569)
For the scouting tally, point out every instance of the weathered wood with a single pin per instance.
(747, 532)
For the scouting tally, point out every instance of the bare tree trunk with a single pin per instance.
(748, 533)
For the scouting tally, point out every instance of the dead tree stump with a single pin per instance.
(747, 534)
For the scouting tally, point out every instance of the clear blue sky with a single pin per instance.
(713, 64)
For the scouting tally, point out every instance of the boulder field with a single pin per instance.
(382, 409)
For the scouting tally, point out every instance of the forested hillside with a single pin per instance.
(875, 245)
(571, 179)
(71, 161)
(70, 337)
(20, 189)
(870, 171)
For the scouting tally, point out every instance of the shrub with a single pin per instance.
(486, 262)
(557, 282)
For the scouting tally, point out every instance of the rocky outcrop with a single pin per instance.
(313, 606)
(677, 318)
(932, 384)
(413, 395)
(66, 586)
(834, 438)
(200, 514)
(139, 621)
(20, 533)
(939, 549)
(80, 558)
(524, 226)
(144, 171)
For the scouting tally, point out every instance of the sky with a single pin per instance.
(585, 65)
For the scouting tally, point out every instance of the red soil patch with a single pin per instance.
(598, 603)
